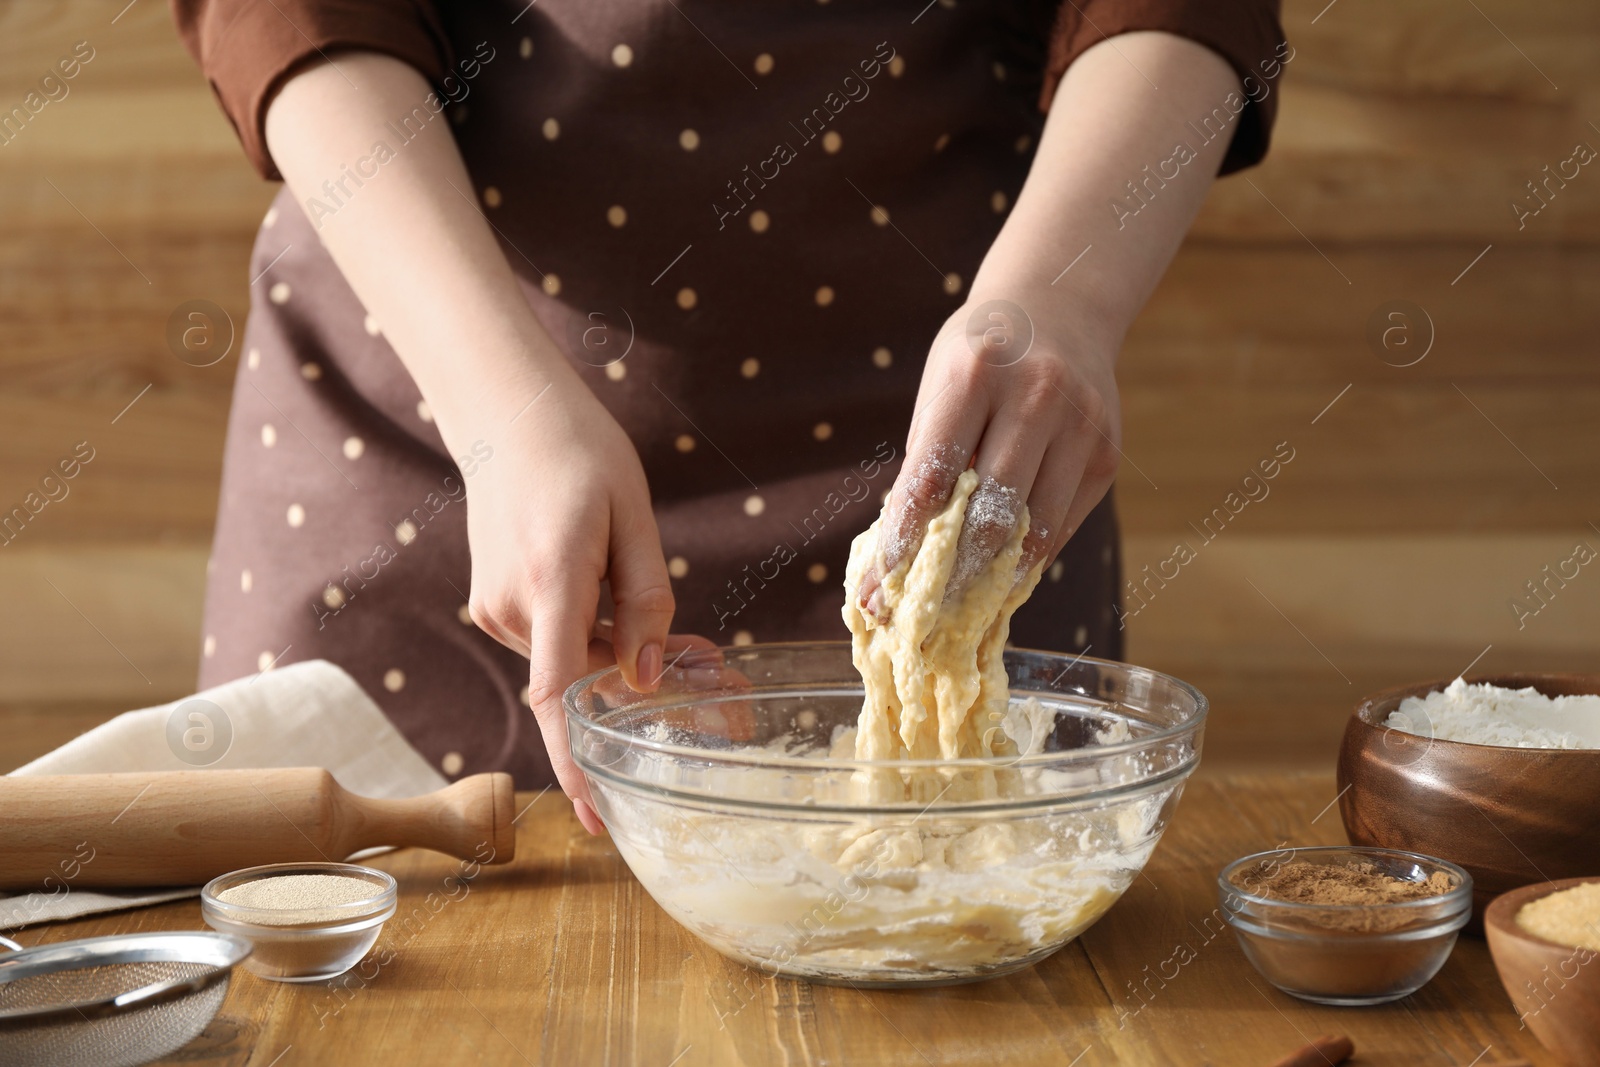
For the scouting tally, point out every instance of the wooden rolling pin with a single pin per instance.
(187, 827)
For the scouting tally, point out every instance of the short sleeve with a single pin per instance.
(247, 48)
(1246, 33)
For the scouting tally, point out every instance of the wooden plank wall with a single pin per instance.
(1388, 550)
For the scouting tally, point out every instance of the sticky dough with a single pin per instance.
(932, 670)
(931, 892)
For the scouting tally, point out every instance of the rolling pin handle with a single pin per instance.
(470, 820)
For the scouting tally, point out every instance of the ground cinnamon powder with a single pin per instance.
(1329, 951)
(1337, 884)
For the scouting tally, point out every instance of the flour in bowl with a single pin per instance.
(1486, 714)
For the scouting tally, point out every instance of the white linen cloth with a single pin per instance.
(309, 714)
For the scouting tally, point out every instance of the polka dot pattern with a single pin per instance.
(753, 334)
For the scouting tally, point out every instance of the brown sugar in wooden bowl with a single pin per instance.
(1555, 988)
(1510, 816)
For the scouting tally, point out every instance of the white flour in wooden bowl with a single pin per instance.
(1491, 715)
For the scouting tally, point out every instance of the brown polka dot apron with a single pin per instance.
(745, 231)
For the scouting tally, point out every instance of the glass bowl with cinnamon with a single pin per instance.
(1346, 925)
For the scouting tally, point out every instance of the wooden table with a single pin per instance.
(561, 958)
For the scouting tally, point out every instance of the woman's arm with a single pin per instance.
(1119, 175)
(564, 504)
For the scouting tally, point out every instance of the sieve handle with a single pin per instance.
(10, 944)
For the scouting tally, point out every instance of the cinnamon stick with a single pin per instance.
(1327, 1051)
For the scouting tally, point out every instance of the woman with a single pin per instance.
(535, 265)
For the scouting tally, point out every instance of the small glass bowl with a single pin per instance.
(302, 946)
(1347, 954)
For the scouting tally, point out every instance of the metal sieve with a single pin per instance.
(111, 1001)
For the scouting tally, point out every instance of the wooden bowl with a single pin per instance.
(1510, 816)
(1554, 987)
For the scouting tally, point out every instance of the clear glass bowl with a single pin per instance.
(308, 945)
(1350, 954)
(721, 793)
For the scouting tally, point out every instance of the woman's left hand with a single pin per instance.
(1020, 382)
(1023, 390)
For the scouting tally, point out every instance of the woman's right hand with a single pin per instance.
(561, 506)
